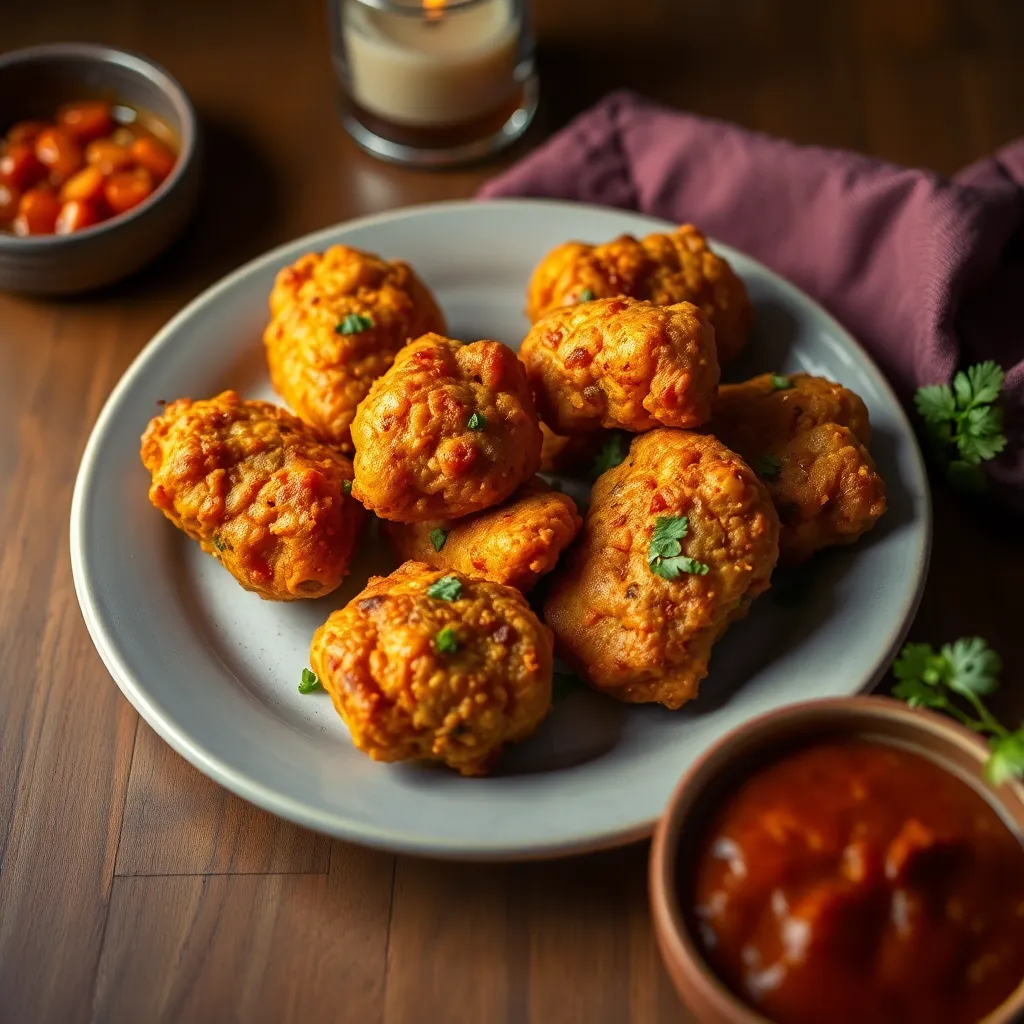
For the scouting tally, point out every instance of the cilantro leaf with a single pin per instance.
(614, 450)
(446, 641)
(973, 667)
(346, 486)
(986, 380)
(448, 588)
(219, 543)
(438, 537)
(354, 323)
(919, 661)
(918, 694)
(586, 295)
(1006, 760)
(768, 466)
(963, 391)
(781, 383)
(935, 403)
(664, 557)
(309, 682)
(562, 684)
(476, 422)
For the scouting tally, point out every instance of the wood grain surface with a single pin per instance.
(132, 888)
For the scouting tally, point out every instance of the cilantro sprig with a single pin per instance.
(954, 679)
(309, 682)
(612, 452)
(665, 556)
(476, 421)
(438, 537)
(448, 588)
(963, 421)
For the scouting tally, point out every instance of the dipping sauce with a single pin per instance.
(93, 161)
(853, 881)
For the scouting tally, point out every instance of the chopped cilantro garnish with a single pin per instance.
(780, 383)
(438, 537)
(447, 641)
(665, 556)
(309, 682)
(768, 466)
(448, 588)
(476, 422)
(614, 450)
(346, 486)
(354, 323)
(586, 295)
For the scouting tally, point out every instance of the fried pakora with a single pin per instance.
(515, 543)
(678, 541)
(450, 429)
(662, 268)
(805, 437)
(258, 490)
(433, 665)
(622, 363)
(337, 320)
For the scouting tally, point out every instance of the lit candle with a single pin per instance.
(436, 67)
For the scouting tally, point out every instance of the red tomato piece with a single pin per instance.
(127, 189)
(86, 121)
(25, 131)
(19, 166)
(84, 186)
(75, 215)
(37, 212)
(108, 156)
(59, 152)
(153, 155)
(9, 199)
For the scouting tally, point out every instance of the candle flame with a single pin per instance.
(434, 9)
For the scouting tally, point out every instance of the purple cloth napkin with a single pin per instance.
(927, 272)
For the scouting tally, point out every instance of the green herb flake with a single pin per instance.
(448, 588)
(447, 641)
(346, 486)
(665, 556)
(954, 679)
(586, 295)
(438, 537)
(354, 323)
(476, 422)
(309, 682)
(613, 452)
(768, 466)
(780, 383)
(218, 543)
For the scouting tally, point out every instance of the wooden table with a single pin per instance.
(132, 888)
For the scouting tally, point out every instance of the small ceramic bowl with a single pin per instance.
(730, 760)
(33, 83)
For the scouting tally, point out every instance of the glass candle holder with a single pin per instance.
(434, 82)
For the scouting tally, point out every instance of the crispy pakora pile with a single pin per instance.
(662, 268)
(450, 429)
(805, 437)
(258, 490)
(436, 666)
(622, 363)
(678, 541)
(515, 543)
(337, 321)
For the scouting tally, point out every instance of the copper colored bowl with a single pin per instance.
(942, 740)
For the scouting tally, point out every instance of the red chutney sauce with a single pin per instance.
(854, 881)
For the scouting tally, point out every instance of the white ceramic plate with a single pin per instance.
(214, 669)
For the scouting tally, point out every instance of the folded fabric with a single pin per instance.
(926, 272)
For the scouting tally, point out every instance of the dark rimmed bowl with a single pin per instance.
(734, 756)
(33, 83)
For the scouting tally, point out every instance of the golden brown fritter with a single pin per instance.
(663, 268)
(450, 429)
(806, 442)
(337, 321)
(622, 363)
(515, 543)
(258, 490)
(436, 678)
(785, 405)
(631, 632)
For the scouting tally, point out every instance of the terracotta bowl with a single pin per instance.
(33, 83)
(731, 759)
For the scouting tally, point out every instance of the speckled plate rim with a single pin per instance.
(306, 813)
